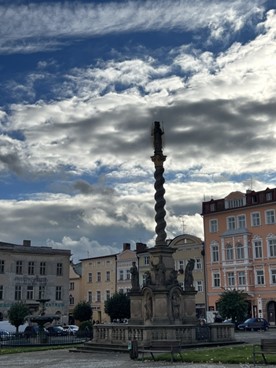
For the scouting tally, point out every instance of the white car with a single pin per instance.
(72, 329)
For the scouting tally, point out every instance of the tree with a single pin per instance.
(17, 314)
(82, 311)
(232, 304)
(118, 306)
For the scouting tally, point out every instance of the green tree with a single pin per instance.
(232, 304)
(82, 311)
(118, 306)
(17, 314)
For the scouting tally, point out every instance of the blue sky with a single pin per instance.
(81, 83)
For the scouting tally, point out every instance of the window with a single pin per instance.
(1, 292)
(121, 275)
(239, 251)
(199, 286)
(198, 264)
(230, 279)
(229, 252)
(89, 297)
(98, 297)
(72, 286)
(18, 293)
(90, 277)
(30, 292)
(268, 196)
(181, 265)
(31, 268)
(146, 260)
(260, 277)
(273, 276)
(128, 275)
(231, 223)
(59, 269)
(270, 217)
(99, 277)
(2, 266)
(107, 275)
(71, 300)
(241, 278)
(258, 249)
(42, 269)
(212, 207)
(41, 292)
(255, 219)
(58, 292)
(241, 222)
(107, 295)
(19, 268)
(213, 226)
(216, 279)
(215, 253)
(272, 247)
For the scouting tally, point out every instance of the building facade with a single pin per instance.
(240, 249)
(99, 282)
(28, 274)
(124, 263)
(75, 288)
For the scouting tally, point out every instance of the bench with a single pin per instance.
(267, 346)
(161, 347)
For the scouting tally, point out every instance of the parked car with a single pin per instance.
(56, 331)
(254, 324)
(71, 329)
(33, 331)
(4, 335)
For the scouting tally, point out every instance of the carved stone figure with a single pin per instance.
(176, 305)
(189, 279)
(134, 276)
(160, 272)
(147, 278)
(157, 137)
(148, 307)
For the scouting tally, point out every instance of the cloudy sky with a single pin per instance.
(81, 83)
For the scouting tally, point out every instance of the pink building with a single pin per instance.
(240, 249)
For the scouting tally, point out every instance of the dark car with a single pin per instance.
(254, 324)
(56, 331)
(4, 335)
(33, 331)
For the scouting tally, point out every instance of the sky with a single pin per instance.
(81, 84)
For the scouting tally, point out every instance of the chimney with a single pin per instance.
(126, 246)
(26, 243)
(141, 247)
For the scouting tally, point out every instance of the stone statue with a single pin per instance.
(148, 307)
(147, 278)
(157, 137)
(160, 272)
(176, 305)
(172, 280)
(134, 277)
(189, 279)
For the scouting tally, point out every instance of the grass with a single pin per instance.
(28, 349)
(229, 354)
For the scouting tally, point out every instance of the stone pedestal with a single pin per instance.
(162, 301)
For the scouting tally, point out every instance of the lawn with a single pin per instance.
(227, 354)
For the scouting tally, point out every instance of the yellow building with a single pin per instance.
(75, 287)
(99, 282)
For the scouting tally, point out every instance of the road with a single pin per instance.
(66, 359)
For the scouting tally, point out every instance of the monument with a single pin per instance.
(161, 300)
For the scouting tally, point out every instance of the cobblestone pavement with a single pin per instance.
(66, 359)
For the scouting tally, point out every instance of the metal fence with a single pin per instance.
(43, 339)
